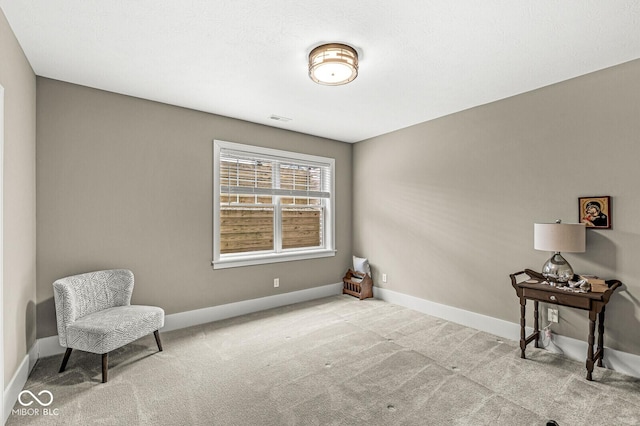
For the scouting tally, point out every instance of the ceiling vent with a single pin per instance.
(279, 118)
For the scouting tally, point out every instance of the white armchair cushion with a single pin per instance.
(109, 329)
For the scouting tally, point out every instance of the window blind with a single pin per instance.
(247, 174)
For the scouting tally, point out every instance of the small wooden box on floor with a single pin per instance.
(358, 285)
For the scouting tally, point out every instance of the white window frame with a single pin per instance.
(232, 260)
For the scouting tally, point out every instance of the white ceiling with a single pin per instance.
(420, 59)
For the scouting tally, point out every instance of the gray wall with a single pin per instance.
(124, 182)
(446, 208)
(19, 276)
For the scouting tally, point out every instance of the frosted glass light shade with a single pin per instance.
(333, 64)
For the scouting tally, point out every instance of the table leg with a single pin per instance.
(601, 336)
(536, 326)
(523, 337)
(592, 328)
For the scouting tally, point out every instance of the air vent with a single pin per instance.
(279, 118)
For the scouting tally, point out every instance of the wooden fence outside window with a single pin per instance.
(248, 229)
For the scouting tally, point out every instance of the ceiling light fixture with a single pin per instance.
(333, 64)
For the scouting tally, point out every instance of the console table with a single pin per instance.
(533, 289)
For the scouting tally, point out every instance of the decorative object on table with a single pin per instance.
(597, 285)
(579, 286)
(595, 212)
(585, 286)
(559, 237)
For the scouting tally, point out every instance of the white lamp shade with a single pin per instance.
(563, 237)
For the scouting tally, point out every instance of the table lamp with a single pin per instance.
(558, 237)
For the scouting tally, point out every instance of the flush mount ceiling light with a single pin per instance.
(333, 64)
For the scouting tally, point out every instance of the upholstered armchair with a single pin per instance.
(94, 314)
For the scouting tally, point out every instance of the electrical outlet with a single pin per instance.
(384, 278)
(276, 282)
(552, 315)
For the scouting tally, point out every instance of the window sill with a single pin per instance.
(261, 259)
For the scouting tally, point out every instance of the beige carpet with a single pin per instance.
(333, 361)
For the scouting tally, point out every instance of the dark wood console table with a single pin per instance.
(534, 289)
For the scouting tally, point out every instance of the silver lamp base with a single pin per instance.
(557, 270)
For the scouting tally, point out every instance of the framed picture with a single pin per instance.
(595, 212)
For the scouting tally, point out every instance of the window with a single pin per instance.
(270, 205)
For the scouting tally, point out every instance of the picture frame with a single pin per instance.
(595, 212)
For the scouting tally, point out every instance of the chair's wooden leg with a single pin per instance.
(67, 354)
(105, 367)
(157, 336)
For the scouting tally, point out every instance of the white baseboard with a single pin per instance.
(216, 313)
(18, 381)
(622, 362)
(51, 346)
